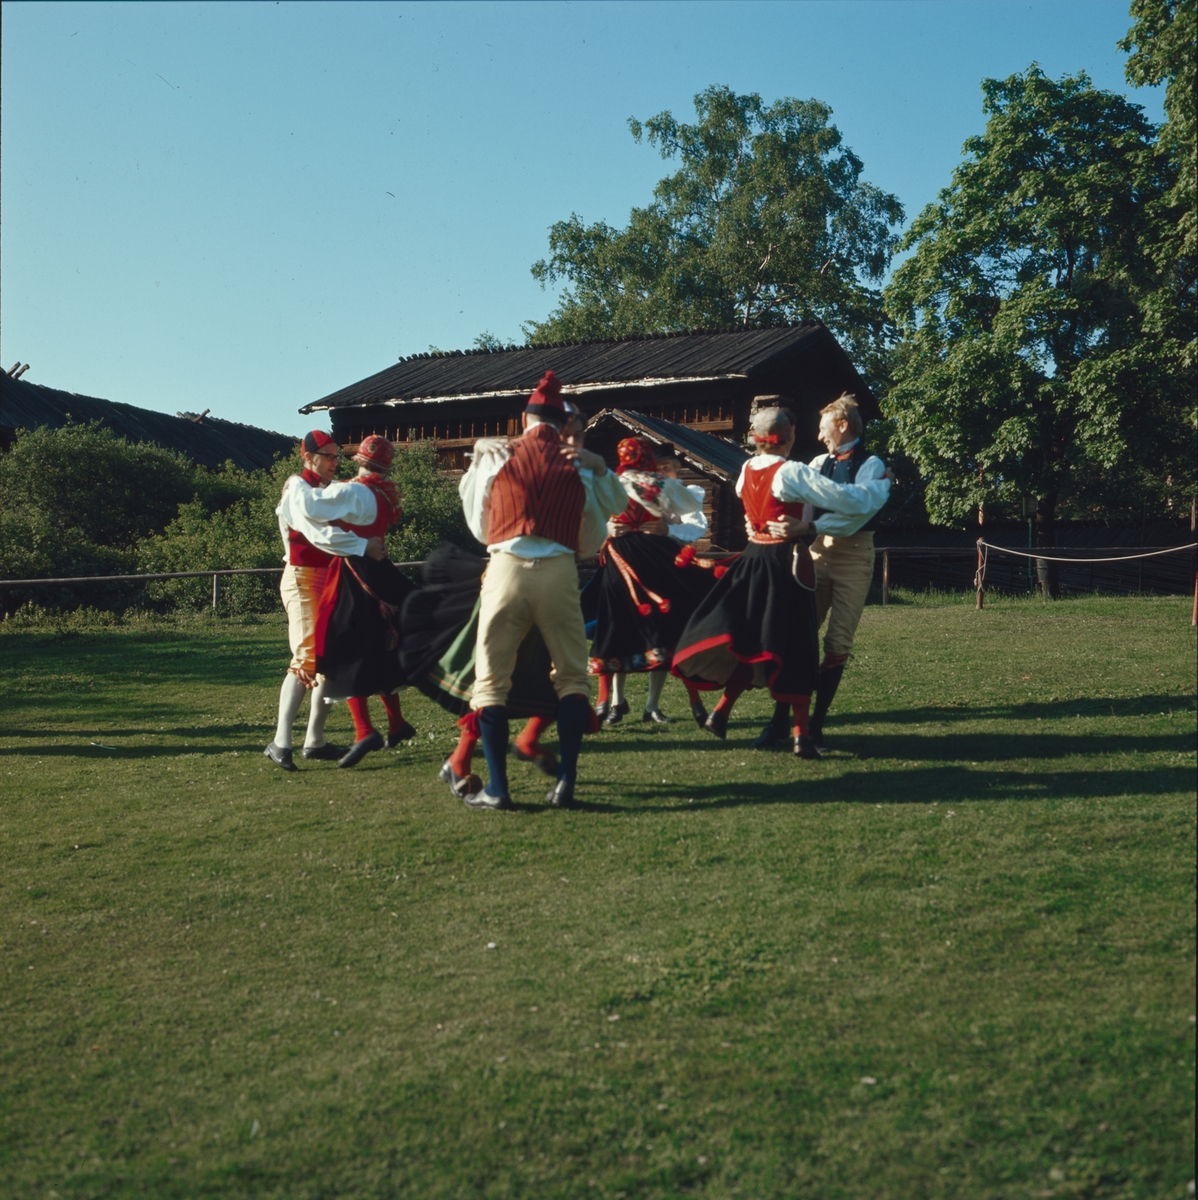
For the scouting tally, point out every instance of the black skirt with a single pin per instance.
(361, 628)
(440, 623)
(637, 580)
(759, 614)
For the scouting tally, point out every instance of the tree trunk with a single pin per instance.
(1046, 537)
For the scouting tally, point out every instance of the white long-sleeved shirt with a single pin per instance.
(797, 482)
(839, 524)
(605, 496)
(310, 510)
(689, 527)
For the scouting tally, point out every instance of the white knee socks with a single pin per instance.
(291, 696)
(657, 681)
(617, 688)
(317, 716)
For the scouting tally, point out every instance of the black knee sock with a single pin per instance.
(573, 712)
(780, 721)
(493, 732)
(825, 690)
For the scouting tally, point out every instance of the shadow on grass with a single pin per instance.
(1046, 710)
(943, 784)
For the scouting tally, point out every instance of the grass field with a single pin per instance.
(955, 959)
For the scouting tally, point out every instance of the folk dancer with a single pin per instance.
(438, 651)
(310, 504)
(358, 629)
(535, 503)
(843, 554)
(646, 589)
(756, 628)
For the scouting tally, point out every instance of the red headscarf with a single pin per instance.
(635, 454)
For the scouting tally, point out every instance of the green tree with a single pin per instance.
(766, 221)
(1026, 366)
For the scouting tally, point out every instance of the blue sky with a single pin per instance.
(244, 206)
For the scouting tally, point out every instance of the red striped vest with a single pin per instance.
(537, 493)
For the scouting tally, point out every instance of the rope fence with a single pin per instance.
(889, 554)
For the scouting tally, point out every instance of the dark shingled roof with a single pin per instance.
(210, 442)
(581, 366)
(710, 454)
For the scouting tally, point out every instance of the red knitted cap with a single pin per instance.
(547, 399)
(376, 452)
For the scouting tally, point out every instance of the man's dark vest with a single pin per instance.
(828, 467)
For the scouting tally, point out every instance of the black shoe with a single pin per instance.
(717, 723)
(656, 716)
(561, 795)
(460, 785)
(699, 713)
(404, 733)
(321, 753)
(772, 737)
(817, 740)
(280, 757)
(361, 748)
(484, 799)
(601, 711)
(617, 713)
(544, 762)
(805, 747)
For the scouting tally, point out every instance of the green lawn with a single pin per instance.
(953, 960)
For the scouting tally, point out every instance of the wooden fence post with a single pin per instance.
(215, 589)
(886, 577)
(979, 576)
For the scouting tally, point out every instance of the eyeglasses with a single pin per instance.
(326, 454)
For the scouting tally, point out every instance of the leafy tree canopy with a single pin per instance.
(1027, 366)
(766, 221)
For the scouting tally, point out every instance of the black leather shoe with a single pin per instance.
(544, 762)
(699, 713)
(817, 740)
(404, 733)
(656, 716)
(772, 737)
(561, 795)
(617, 713)
(460, 785)
(717, 723)
(321, 753)
(601, 711)
(484, 799)
(280, 757)
(361, 748)
(805, 747)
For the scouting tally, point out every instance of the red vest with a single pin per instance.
(387, 512)
(761, 505)
(300, 551)
(537, 493)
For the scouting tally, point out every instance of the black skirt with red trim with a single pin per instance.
(641, 602)
(757, 613)
(358, 628)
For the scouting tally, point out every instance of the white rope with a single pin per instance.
(1049, 558)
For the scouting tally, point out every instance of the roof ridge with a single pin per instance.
(612, 341)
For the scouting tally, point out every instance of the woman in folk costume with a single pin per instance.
(757, 627)
(646, 590)
(311, 513)
(536, 504)
(357, 632)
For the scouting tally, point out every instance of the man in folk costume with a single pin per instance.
(535, 504)
(646, 591)
(312, 542)
(357, 629)
(756, 628)
(843, 554)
